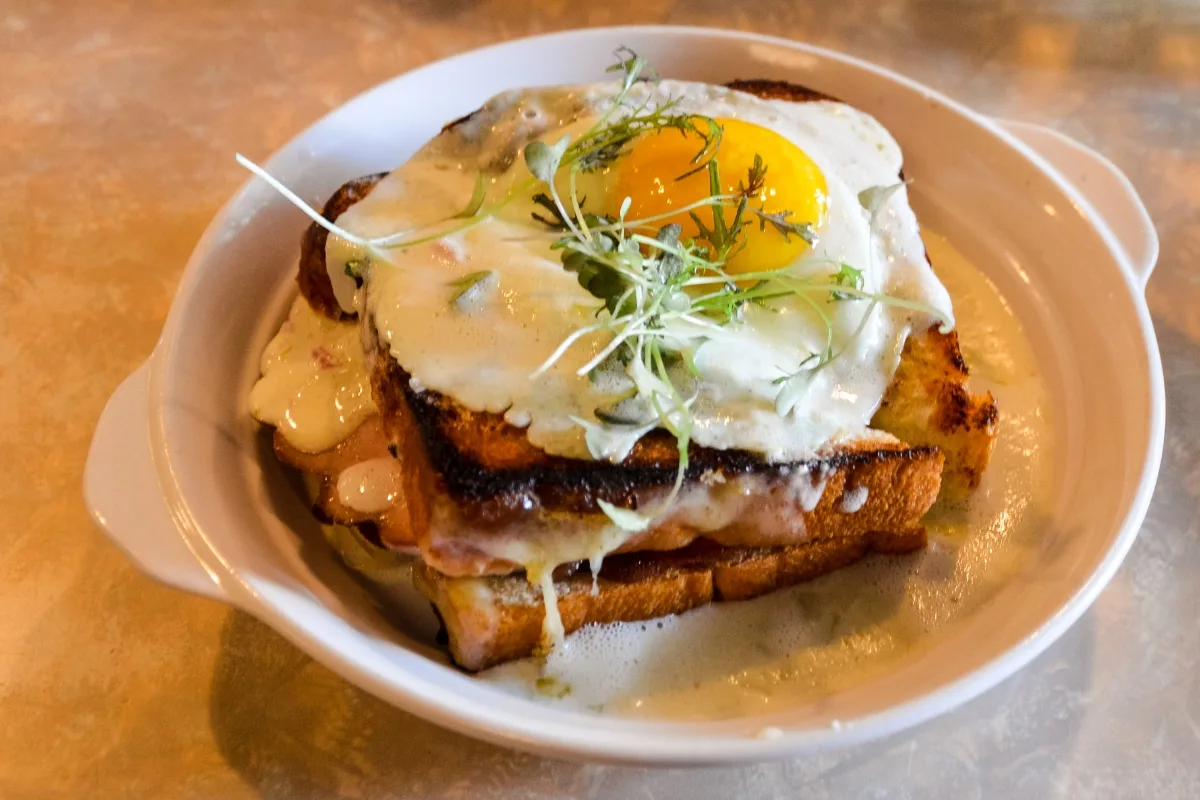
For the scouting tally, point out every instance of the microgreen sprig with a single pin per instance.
(725, 240)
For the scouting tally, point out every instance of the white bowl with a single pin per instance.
(179, 476)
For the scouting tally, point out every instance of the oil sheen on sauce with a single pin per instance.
(800, 644)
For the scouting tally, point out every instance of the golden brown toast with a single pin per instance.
(928, 403)
(470, 478)
(496, 619)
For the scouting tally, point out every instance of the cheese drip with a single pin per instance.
(314, 387)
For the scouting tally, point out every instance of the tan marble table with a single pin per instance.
(118, 121)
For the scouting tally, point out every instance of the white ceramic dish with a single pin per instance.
(179, 477)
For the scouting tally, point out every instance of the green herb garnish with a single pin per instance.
(470, 287)
(873, 198)
(725, 240)
(846, 276)
(476, 202)
(552, 687)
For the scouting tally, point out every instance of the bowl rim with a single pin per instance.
(641, 744)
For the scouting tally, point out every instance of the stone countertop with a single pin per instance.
(117, 125)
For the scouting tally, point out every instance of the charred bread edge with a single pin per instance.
(466, 479)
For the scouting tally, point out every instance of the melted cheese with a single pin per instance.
(853, 500)
(371, 486)
(314, 386)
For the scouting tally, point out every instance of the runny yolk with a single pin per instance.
(649, 176)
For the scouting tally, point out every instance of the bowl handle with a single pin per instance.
(123, 494)
(1105, 187)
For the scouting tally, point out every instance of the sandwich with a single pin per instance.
(609, 352)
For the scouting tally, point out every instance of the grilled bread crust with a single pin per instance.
(928, 403)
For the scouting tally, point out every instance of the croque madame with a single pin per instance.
(610, 352)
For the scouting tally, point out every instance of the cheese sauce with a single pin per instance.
(800, 644)
(314, 386)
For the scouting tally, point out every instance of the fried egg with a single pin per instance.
(660, 177)
(819, 157)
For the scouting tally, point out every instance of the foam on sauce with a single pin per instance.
(798, 645)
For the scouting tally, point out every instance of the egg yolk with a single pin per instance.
(649, 174)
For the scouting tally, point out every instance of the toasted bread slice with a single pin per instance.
(881, 485)
(496, 619)
(928, 403)
(496, 498)
(313, 279)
